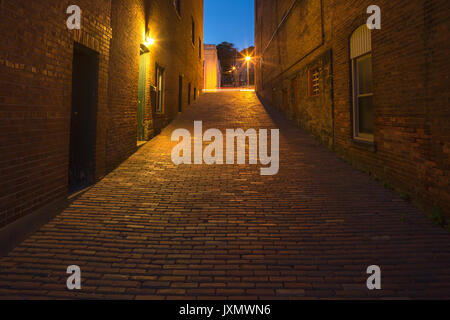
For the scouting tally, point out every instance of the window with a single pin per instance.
(193, 31)
(180, 93)
(189, 93)
(314, 82)
(361, 60)
(177, 5)
(159, 107)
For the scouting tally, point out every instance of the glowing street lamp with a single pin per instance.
(248, 59)
(148, 41)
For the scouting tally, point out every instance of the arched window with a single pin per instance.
(361, 59)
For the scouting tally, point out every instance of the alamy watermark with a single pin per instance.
(374, 21)
(74, 21)
(214, 152)
(374, 281)
(74, 280)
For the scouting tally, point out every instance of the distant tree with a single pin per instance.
(248, 51)
(227, 54)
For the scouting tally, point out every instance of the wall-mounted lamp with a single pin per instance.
(148, 41)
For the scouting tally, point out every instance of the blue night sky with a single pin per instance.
(230, 20)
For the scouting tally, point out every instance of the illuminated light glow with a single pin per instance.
(228, 90)
(149, 41)
(248, 58)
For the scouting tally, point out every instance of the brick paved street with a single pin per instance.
(151, 229)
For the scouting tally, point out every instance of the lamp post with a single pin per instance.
(233, 70)
(248, 59)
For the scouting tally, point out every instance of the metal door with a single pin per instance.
(141, 97)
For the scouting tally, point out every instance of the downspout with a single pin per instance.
(147, 15)
(333, 125)
(280, 25)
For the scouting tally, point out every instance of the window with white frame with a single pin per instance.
(361, 59)
(177, 5)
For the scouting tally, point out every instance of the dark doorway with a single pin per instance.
(83, 118)
(180, 93)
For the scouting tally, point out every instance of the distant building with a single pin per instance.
(212, 72)
(379, 98)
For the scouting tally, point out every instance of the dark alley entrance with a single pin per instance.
(83, 118)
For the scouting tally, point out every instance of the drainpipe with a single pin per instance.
(146, 15)
(333, 125)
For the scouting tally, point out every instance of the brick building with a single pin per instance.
(394, 122)
(73, 103)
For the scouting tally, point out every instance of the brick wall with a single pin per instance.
(410, 75)
(411, 103)
(36, 50)
(128, 26)
(289, 53)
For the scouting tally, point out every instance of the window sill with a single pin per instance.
(364, 144)
(178, 15)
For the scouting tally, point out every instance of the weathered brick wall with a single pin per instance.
(412, 117)
(36, 50)
(410, 75)
(437, 66)
(128, 27)
(315, 113)
(289, 52)
(173, 50)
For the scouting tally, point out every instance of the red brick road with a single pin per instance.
(151, 229)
